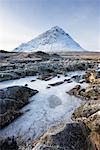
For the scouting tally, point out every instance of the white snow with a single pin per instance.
(54, 39)
(98, 69)
(38, 115)
(98, 113)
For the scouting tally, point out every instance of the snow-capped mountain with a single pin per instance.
(55, 39)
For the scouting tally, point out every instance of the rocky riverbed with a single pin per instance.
(49, 101)
(18, 65)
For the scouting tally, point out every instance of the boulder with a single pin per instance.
(94, 138)
(8, 144)
(92, 76)
(89, 113)
(72, 136)
(11, 100)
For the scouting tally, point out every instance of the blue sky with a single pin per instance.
(22, 20)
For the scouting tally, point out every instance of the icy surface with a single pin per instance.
(54, 39)
(38, 114)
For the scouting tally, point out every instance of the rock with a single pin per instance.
(94, 138)
(8, 76)
(8, 144)
(48, 87)
(68, 80)
(76, 77)
(11, 100)
(56, 83)
(26, 85)
(16, 92)
(7, 117)
(93, 122)
(17, 65)
(45, 77)
(89, 113)
(65, 74)
(12, 73)
(82, 81)
(75, 90)
(86, 110)
(89, 77)
(92, 76)
(48, 78)
(58, 76)
(89, 93)
(33, 80)
(42, 55)
(73, 136)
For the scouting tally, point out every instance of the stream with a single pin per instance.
(48, 107)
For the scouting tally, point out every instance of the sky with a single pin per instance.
(22, 20)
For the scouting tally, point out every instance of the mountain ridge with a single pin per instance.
(53, 40)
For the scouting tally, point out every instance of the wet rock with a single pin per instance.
(65, 73)
(48, 78)
(71, 137)
(68, 80)
(45, 77)
(26, 85)
(8, 117)
(56, 83)
(76, 78)
(58, 76)
(48, 87)
(8, 144)
(11, 100)
(33, 80)
(82, 81)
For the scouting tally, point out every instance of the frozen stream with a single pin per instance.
(46, 108)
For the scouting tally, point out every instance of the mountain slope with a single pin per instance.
(54, 39)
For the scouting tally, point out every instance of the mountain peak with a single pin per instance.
(56, 28)
(55, 39)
